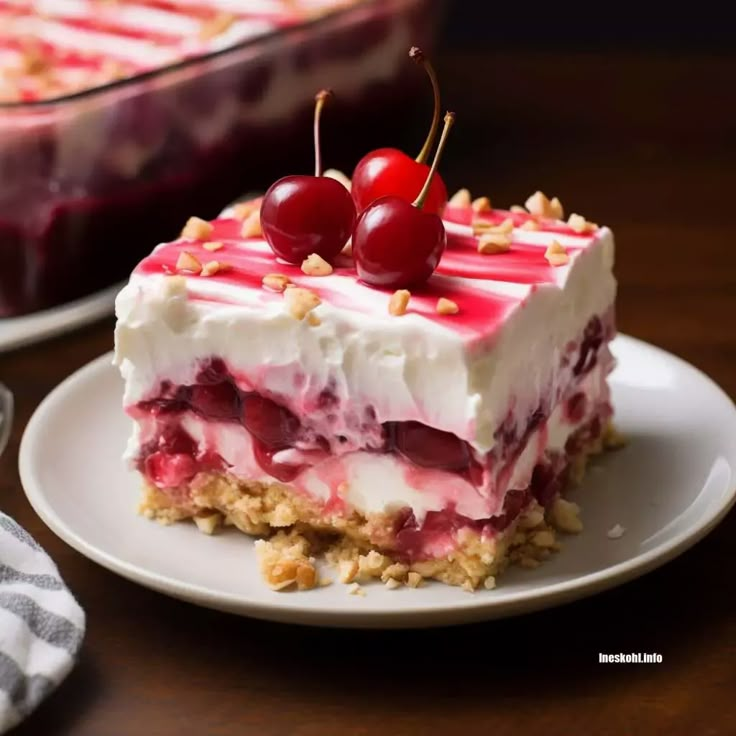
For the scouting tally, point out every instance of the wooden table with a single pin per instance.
(641, 143)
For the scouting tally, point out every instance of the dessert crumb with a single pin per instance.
(355, 589)
(392, 584)
(489, 583)
(414, 579)
(616, 532)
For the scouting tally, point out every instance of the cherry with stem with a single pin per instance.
(397, 244)
(301, 215)
(388, 171)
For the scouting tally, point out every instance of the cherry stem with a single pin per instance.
(449, 120)
(416, 54)
(320, 98)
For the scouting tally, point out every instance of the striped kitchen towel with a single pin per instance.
(41, 625)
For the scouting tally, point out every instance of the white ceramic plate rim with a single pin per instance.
(16, 332)
(425, 614)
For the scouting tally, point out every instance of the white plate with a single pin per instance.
(15, 332)
(671, 485)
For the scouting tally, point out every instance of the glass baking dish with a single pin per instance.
(90, 182)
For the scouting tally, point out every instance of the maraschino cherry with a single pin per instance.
(397, 244)
(301, 215)
(388, 171)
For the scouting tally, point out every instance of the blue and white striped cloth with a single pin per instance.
(41, 625)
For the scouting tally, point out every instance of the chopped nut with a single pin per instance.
(556, 254)
(579, 224)
(492, 243)
(315, 265)
(613, 439)
(252, 226)
(461, 198)
(213, 245)
(505, 227)
(241, 210)
(565, 516)
(539, 205)
(208, 522)
(276, 281)
(530, 224)
(481, 204)
(282, 567)
(212, 267)
(215, 26)
(397, 570)
(399, 302)
(187, 262)
(518, 209)
(616, 532)
(489, 583)
(544, 539)
(392, 584)
(373, 564)
(447, 306)
(300, 302)
(197, 229)
(313, 320)
(338, 175)
(414, 579)
(468, 587)
(348, 570)
(355, 589)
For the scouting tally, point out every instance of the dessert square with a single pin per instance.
(412, 433)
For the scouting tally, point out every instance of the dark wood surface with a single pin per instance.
(642, 143)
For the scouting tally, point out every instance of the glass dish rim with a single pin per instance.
(186, 63)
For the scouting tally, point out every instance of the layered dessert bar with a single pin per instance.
(416, 433)
(51, 48)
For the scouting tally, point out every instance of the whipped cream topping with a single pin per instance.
(495, 362)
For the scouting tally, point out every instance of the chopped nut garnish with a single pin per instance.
(215, 26)
(530, 225)
(241, 210)
(556, 254)
(187, 262)
(213, 245)
(197, 229)
(337, 175)
(579, 224)
(252, 226)
(348, 570)
(392, 584)
(489, 583)
(275, 281)
(355, 589)
(398, 303)
(300, 302)
(539, 205)
(208, 522)
(492, 243)
(461, 198)
(481, 226)
(481, 204)
(313, 320)
(414, 579)
(468, 587)
(565, 516)
(315, 265)
(283, 566)
(518, 209)
(531, 518)
(212, 267)
(447, 306)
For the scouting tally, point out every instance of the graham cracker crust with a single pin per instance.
(293, 531)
